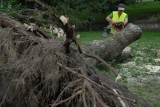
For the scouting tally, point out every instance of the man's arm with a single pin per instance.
(109, 19)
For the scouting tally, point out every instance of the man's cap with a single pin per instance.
(121, 6)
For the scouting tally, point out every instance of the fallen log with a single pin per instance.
(113, 47)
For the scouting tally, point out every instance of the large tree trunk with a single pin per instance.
(113, 47)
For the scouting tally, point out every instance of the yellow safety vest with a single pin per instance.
(116, 18)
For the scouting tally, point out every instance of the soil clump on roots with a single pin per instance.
(36, 72)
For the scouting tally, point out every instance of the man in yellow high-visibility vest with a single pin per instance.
(117, 19)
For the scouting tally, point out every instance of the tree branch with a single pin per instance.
(115, 71)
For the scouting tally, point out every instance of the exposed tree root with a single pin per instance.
(115, 71)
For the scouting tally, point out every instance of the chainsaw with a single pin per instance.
(118, 25)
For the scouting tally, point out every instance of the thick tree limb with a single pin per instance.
(113, 47)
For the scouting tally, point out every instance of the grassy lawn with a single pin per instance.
(150, 39)
(147, 44)
(147, 36)
(90, 36)
(150, 35)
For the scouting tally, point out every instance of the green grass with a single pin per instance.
(149, 40)
(150, 36)
(148, 91)
(148, 44)
(90, 36)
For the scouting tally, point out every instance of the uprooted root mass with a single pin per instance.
(36, 72)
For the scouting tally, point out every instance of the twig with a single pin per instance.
(5, 95)
(63, 101)
(94, 95)
(83, 96)
(90, 89)
(120, 100)
(66, 88)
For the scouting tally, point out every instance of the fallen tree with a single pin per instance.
(35, 71)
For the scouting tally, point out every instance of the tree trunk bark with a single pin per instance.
(113, 47)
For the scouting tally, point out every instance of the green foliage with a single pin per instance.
(142, 10)
(85, 12)
(81, 12)
(10, 6)
(149, 91)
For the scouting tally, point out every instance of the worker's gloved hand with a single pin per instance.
(118, 25)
